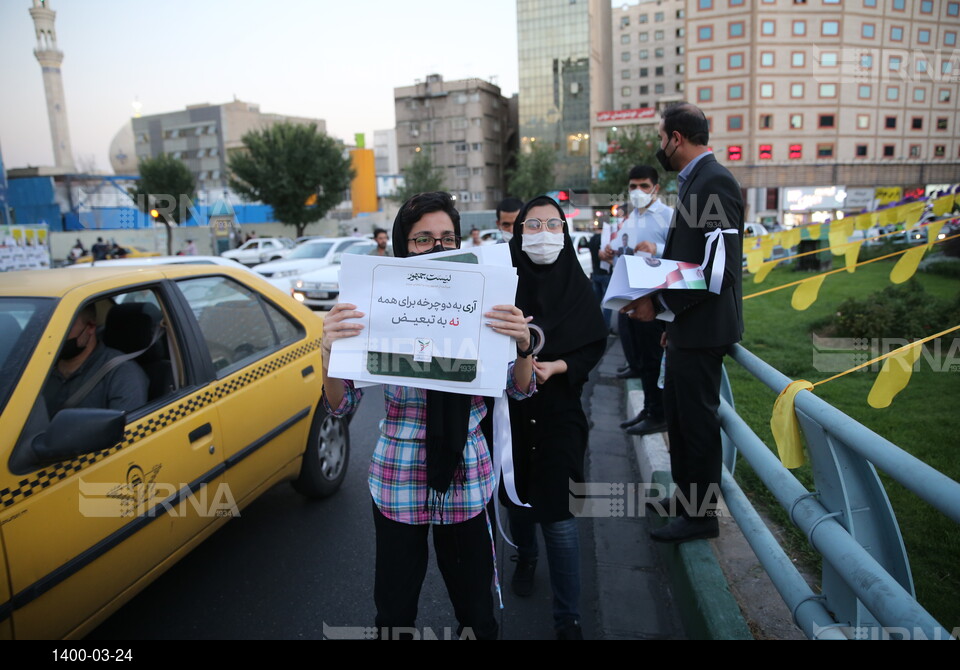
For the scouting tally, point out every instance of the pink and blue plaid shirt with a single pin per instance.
(398, 470)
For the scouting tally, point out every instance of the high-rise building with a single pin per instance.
(463, 125)
(564, 53)
(202, 136)
(649, 40)
(829, 92)
(50, 58)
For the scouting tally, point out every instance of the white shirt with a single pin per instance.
(653, 224)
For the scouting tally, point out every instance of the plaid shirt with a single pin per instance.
(398, 470)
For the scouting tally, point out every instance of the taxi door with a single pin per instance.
(82, 537)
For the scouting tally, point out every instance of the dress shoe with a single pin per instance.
(647, 426)
(635, 420)
(665, 506)
(629, 373)
(683, 529)
(522, 583)
(570, 631)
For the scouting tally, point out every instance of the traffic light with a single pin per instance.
(154, 214)
(563, 196)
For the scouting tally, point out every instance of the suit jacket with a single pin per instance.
(710, 198)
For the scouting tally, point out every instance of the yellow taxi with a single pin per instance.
(123, 252)
(141, 409)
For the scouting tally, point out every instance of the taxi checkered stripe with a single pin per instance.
(44, 478)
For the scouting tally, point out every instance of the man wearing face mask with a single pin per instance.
(82, 355)
(701, 324)
(507, 212)
(641, 340)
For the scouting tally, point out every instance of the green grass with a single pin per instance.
(923, 419)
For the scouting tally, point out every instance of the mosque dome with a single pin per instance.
(123, 155)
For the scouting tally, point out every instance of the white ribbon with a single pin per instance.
(715, 237)
(503, 458)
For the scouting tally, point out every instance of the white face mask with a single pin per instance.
(506, 236)
(543, 248)
(639, 199)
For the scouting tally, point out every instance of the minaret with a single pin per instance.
(50, 58)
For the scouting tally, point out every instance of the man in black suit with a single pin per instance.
(707, 228)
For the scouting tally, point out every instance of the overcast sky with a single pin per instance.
(337, 60)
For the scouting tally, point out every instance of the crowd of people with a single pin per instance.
(432, 466)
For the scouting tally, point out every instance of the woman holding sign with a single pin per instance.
(431, 465)
(550, 429)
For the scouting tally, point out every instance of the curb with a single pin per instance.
(702, 594)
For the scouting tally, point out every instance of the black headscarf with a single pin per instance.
(448, 414)
(558, 296)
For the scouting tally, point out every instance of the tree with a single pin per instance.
(534, 173)
(628, 147)
(297, 170)
(167, 185)
(420, 176)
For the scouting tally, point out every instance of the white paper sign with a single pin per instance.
(641, 274)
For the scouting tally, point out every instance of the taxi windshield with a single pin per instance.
(22, 321)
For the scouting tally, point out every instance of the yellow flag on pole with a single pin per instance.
(785, 427)
(894, 375)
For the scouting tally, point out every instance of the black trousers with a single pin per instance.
(641, 347)
(465, 558)
(692, 403)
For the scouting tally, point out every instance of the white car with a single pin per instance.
(320, 289)
(261, 250)
(311, 255)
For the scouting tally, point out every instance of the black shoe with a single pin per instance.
(522, 583)
(683, 529)
(665, 506)
(647, 426)
(628, 374)
(570, 631)
(623, 368)
(635, 420)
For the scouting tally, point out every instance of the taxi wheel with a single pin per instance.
(326, 457)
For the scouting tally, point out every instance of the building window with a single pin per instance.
(870, 3)
(896, 33)
(796, 151)
(890, 123)
(658, 17)
(704, 5)
(921, 65)
(624, 22)
(799, 28)
(919, 94)
(705, 33)
(893, 92)
(658, 52)
(830, 28)
(625, 56)
(736, 29)
(863, 121)
(923, 36)
(861, 151)
(865, 91)
(825, 121)
(950, 39)
(899, 5)
(796, 90)
(796, 121)
(868, 31)
(624, 74)
(643, 54)
(658, 35)
(681, 32)
(658, 88)
(705, 64)
(680, 50)
(735, 122)
(914, 151)
(953, 9)
(643, 18)
(736, 3)
(766, 121)
(941, 123)
(866, 61)
(678, 86)
(766, 59)
(625, 91)
(946, 67)
(926, 6)
(943, 95)
(625, 38)
(894, 63)
(768, 28)
(735, 92)
(939, 150)
(658, 71)
(644, 72)
(766, 90)
(828, 90)
(828, 59)
(643, 37)
(798, 59)
(735, 61)
(734, 152)
(888, 150)
(916, 123)
(705, 93)
(824, 151)
(766, 152)
(644, 90)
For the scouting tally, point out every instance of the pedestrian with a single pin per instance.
(507, 210)
(77, 251)
(474, 239)
(190, 249)
(382, 240)
(550, 429)
(431, 466)
(701, 324)
(99, 250)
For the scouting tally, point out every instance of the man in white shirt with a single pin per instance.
(646, 227)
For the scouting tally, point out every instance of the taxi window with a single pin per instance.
(22, 320)
(238, 326)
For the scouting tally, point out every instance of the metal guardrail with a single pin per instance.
(867, 588)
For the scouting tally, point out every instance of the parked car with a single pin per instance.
(311, 255)
(261, 250)
(320, 289)
(96, 503)
(128, 251)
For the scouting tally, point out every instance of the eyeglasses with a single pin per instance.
(428, 242)
(537, 224)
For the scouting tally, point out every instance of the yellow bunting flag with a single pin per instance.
(785, 427)
(907, 264)
(889, 217)
(933, 230)
(838, 238)
(813, 231)
(943, 205)
(852, 254)
(790, 238)
(864, 221)
(762, 273)
(912, 212)
(956, 200)
(766, 246)
(894, 375)
(754, 260)
(806, 292)
(848, 226)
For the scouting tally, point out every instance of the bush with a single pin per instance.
(944, 268)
